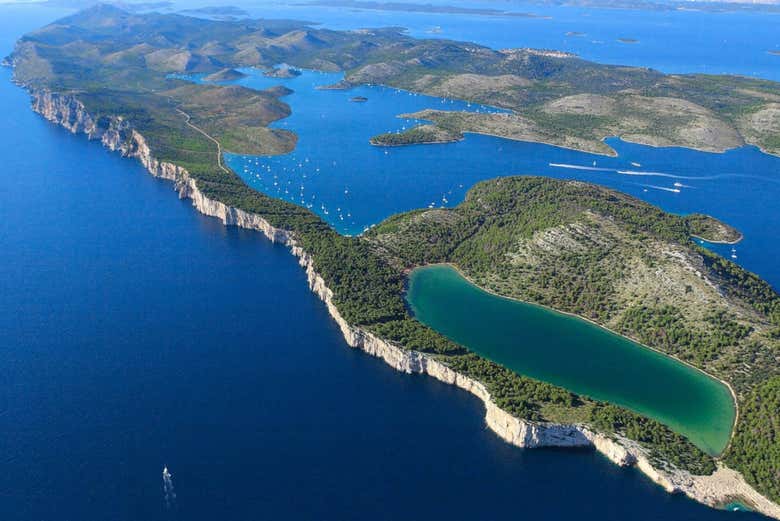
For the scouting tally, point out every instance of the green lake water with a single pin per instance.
(574, 354)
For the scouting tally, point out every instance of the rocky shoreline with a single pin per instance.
(722, 487)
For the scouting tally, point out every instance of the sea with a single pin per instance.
(336, 173)
(137, 335)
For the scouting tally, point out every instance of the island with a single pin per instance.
(282, 72)
(559, 99)
(419, 135)
(224, 75)
(571, 246)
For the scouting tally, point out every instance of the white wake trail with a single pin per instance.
(581, 167)
(168, 491)
(664, 188)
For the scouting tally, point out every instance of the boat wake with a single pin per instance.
(692, 178)
(664, 188)
(580, 167)
(169, 493)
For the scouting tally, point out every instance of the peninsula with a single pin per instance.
(225, 75)
(552, 97)
(572, 246)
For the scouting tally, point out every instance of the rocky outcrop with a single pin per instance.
(64, 110)
(722, 487)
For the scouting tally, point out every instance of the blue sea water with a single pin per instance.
(353, 185)
(675, 41)
(136, 333)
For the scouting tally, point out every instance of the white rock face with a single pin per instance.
(63, 110)
(722, 487)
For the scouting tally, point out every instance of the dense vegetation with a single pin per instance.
(594, 252)
(369, 292)
(666, 327)
(117, 64)
(555, 97)
(416, 135)
(755, 449)
(597, 253)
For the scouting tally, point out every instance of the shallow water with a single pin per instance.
(574, 354)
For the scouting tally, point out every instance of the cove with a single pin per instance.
(572, 353)
(352, 185)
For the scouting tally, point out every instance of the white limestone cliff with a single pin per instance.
(720, 488)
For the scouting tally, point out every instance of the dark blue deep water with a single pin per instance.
(136, 333)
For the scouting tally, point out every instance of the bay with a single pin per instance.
(353, 185)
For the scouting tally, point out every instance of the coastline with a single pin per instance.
(717, 490)
(611, 153)
(735, 241)
(696, 149)
(383, 145)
